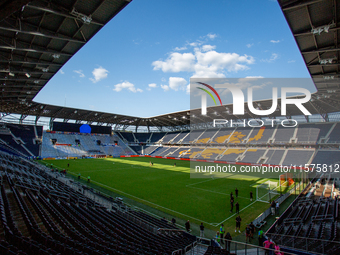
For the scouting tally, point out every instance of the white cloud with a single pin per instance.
(152, 85)
(80, 72)
(272, 58)
(62, 72)
(208, 47)
(180, 48)
(291, 61)
(273, 41)
(176, 62)
(194, 44)
(126, 85)
(249, 45)
(209, 64)
(212, 36)
(165, 87)
(99, 74)
(177, 83)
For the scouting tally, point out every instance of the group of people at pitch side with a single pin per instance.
(237, 205)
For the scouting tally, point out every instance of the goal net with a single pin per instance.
(265, 192)
(285, 180)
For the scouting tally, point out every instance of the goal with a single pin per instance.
(265, 192)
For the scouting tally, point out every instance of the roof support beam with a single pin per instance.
(29, 62)
(298, 4)
(320, 50)
(60, 13)
(34, 50)
(57, 37)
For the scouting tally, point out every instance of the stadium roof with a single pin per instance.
(38, 37)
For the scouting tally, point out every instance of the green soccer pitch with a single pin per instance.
(170, 189)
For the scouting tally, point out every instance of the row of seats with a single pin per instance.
(241, 154)
(56, 219)
(311, 222)
(309, 133)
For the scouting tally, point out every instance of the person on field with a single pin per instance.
(187, 226)
(238, 224)
(248, 233)
(88, 179)
(173, 221)
(218, 237)
(79, 176)
(236, 192)
(231, 204)
(228, 238)
(201, 230)
(252, 230)
(251, 196)
(222, 231)
(260, 237)
(237, 206)
(272, 207)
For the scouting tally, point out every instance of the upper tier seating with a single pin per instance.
(311, 133)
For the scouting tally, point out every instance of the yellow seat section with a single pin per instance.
(203, 140)
(236, 137)
(193, 154)
(221, 139)
(209, 152)
(258, 136)
(252, 150)
(234, 151)
(184, 151)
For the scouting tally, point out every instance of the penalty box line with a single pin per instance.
(216, 192)
(235, 213)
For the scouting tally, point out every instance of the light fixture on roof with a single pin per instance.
(319, 30)
(11, 74)
(56, 56)
(27, 75)
(327, 60)
(329, 77)
(331, 91)
(44, 69)
(86, 19)
(75, 111)
(36, 81)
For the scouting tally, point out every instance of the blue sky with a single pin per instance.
(141, 62)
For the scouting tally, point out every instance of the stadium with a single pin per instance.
(102, 183)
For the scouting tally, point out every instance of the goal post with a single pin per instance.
(265, 192)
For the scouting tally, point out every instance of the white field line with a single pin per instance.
(127, 194)
(216, 192)
(212, 179)
(258, 183)
(235, 213)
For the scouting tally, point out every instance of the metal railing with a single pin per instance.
(317, 246)
(187, 250)
(143, 224)
(236, 247)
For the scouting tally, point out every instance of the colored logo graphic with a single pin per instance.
(209, 93)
